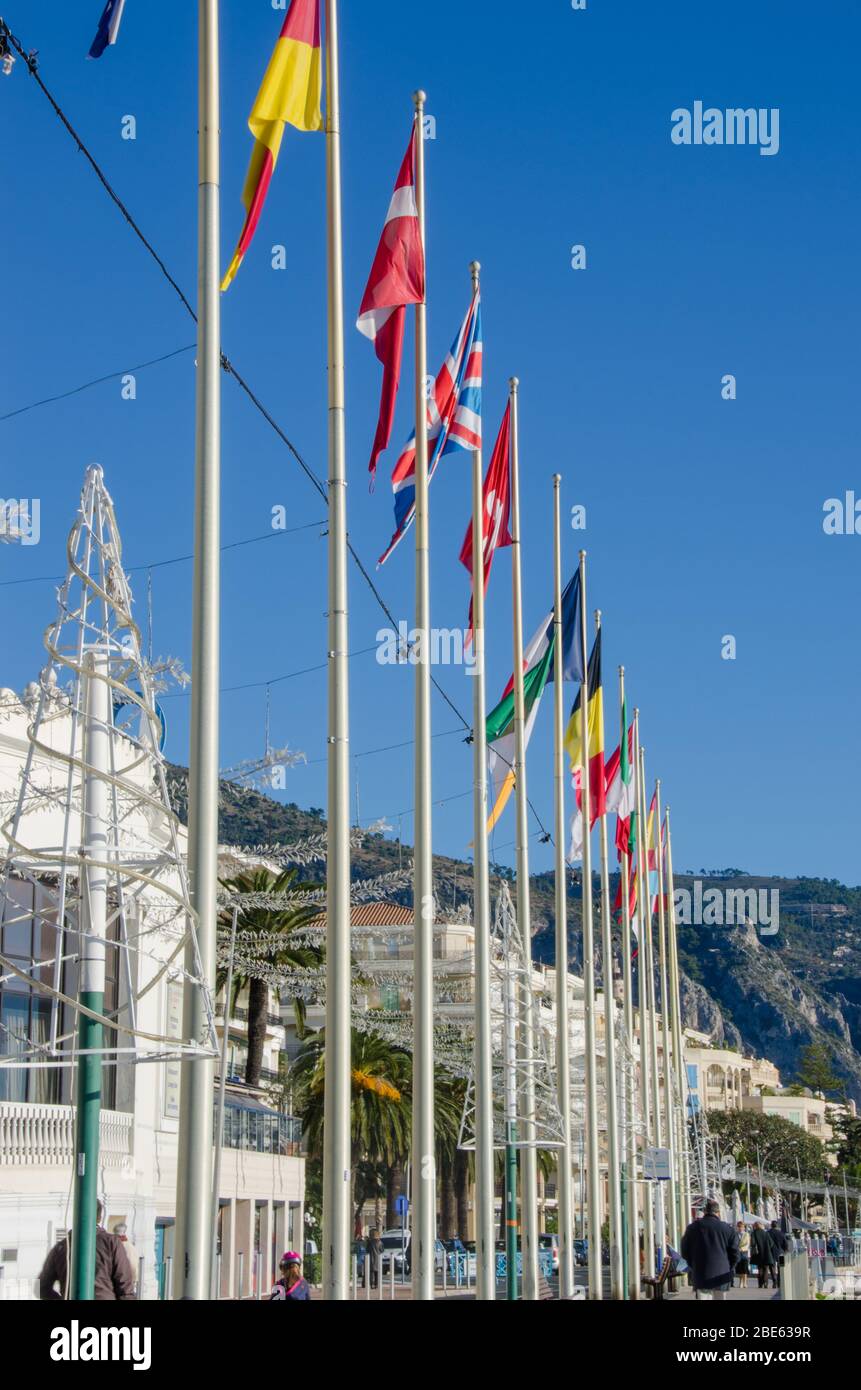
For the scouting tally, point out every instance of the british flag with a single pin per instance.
(453, 419)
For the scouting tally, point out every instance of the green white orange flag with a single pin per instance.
(538, 663)
(289, 95)
(538, 669)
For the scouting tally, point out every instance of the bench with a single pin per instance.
(657, 1282)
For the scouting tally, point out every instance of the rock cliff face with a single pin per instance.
(770, 995)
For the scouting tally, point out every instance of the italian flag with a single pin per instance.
(538, 666)
(620, 788)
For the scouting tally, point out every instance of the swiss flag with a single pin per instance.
(496, 509)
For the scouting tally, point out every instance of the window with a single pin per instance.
(30, 940)
(390, 998)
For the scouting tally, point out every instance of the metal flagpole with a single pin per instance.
(563, 1062)
(510, 1082)
(214, 1290)
(485, 1242)
(643, 1006)
(630, 1178)
(614, 1204)
(593, 1176)
(528, 1155)
(337, 1097)
(93, 888)
(424, 1197)
(194, 1162)
(666, 1055)
(683, 1198)
(655, 1075)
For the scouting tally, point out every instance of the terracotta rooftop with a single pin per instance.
(377, 915)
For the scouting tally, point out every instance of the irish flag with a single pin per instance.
(289, 95)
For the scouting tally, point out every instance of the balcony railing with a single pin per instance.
(43, 1136)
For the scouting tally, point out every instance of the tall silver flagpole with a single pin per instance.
(592, 1155)
(424, 1179)
(563, 1062)
(337, 1097)
(528, 1155)
(194, 1162)
(485, 1237)
(683, 1194)
(643, 1004)
(646, 941)
(614, 1196)
(666, 1055)
(632, 1188)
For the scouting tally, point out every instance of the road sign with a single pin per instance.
(656, 1165)
(402, 1205)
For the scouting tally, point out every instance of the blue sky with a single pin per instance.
(704, 516)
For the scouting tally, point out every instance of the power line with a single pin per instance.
(227, 365)
(97, 381)
(175, 559)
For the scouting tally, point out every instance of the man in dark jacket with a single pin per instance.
(780, 1245)
(710, 1247)
(763, 1251)
(114, 1278)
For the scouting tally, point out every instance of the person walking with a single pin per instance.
(763, 1252)
(742, 1267)
(291, 1287)
(711, 1248)
(114, 1280)
(780, 1245)
(375, 1255)
(122, 1230)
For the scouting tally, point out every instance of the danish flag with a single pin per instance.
(397, 279)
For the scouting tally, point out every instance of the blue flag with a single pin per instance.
(109, 26)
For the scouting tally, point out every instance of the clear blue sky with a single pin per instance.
(553, 128)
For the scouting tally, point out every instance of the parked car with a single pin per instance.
(551, 1243)
(396, 1251)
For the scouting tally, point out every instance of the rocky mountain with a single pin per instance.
(770, 994)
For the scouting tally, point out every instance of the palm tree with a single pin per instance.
(381, 1105)
(452, 1162)
(282, 922)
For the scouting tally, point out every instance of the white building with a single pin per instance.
(262, 1173)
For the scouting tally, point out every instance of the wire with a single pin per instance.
(176, 559)
(97, 381)
(227, 365)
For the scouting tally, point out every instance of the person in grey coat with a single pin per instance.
(710, 1247)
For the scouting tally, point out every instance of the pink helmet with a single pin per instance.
(291, 1257)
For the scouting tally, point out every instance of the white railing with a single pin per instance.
(43, 1136)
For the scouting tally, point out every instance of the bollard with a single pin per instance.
(445, 1274)
(367, 1277)
(355, 1278)
(392, 1274)
(258, 1261)
(240, 1272)
(381, 1279)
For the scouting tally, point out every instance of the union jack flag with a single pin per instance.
(453, 419)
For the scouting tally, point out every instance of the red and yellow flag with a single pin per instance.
(289, 93)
